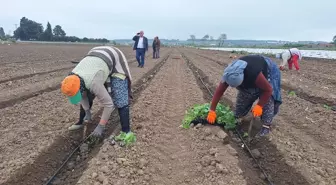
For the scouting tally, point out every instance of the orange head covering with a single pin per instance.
(70, 85)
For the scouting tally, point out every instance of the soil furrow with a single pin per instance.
(302, 93)
(24, 91)
(289, 147)
(311, 115)
(35, 74)
(23, 97)
(45, 72)
(20, 53)
(300, 149)
(44, 60)
(307, 64)
(165, 153)
(310, 70)
(287, 173)
(34, 59)
(66, 176)
(307, 96)
(45, 130)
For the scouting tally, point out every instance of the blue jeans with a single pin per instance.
(140, 56)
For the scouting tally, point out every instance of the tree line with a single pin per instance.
(2, 33)
(222, 37)
(32, 30)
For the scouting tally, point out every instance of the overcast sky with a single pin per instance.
(240, 19)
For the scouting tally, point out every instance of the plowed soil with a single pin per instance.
(36, 116)
(166, 153)
(300, 150)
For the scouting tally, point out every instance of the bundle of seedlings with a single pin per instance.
(198, 114)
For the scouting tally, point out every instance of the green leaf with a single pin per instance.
(224, 115)
(292, 93)
(327, 107)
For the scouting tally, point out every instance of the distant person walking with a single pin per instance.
(290, 57)
(157, 47)
(154, 47)
(138, 34)
(140, 46)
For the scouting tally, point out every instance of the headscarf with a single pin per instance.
(234, 73)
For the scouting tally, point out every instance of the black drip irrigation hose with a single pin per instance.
(238, 133)
(86, 139)
(66, 161)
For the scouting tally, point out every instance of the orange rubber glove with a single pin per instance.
(211, 117)
(257, 111)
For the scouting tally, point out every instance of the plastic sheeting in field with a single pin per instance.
(305, 53)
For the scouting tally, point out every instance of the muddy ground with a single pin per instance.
(35, 140)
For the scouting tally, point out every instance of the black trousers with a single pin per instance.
(91, 97)
(123, 114)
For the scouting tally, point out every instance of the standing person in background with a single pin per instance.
(154, 47)
(291, 56)
(157, 47)
(138, 34)
(140, 46)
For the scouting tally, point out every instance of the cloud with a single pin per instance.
(239, 19)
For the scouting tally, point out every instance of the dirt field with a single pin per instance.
(35, 116)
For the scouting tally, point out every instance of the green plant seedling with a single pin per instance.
(224, 115)
(292, 93)
(327, 107)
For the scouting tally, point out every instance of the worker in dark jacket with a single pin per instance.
(157, 47)
(154, 47)
(255, 77)
(140, 46)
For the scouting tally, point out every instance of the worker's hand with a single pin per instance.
(211, 117)
(99, 130)
(282, 68)
(88, 116)
(257, 111)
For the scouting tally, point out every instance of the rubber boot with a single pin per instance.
(265, 130)
(79, 124)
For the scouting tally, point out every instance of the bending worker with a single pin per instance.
(291, 56)
(254, 76)
(102, 67)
